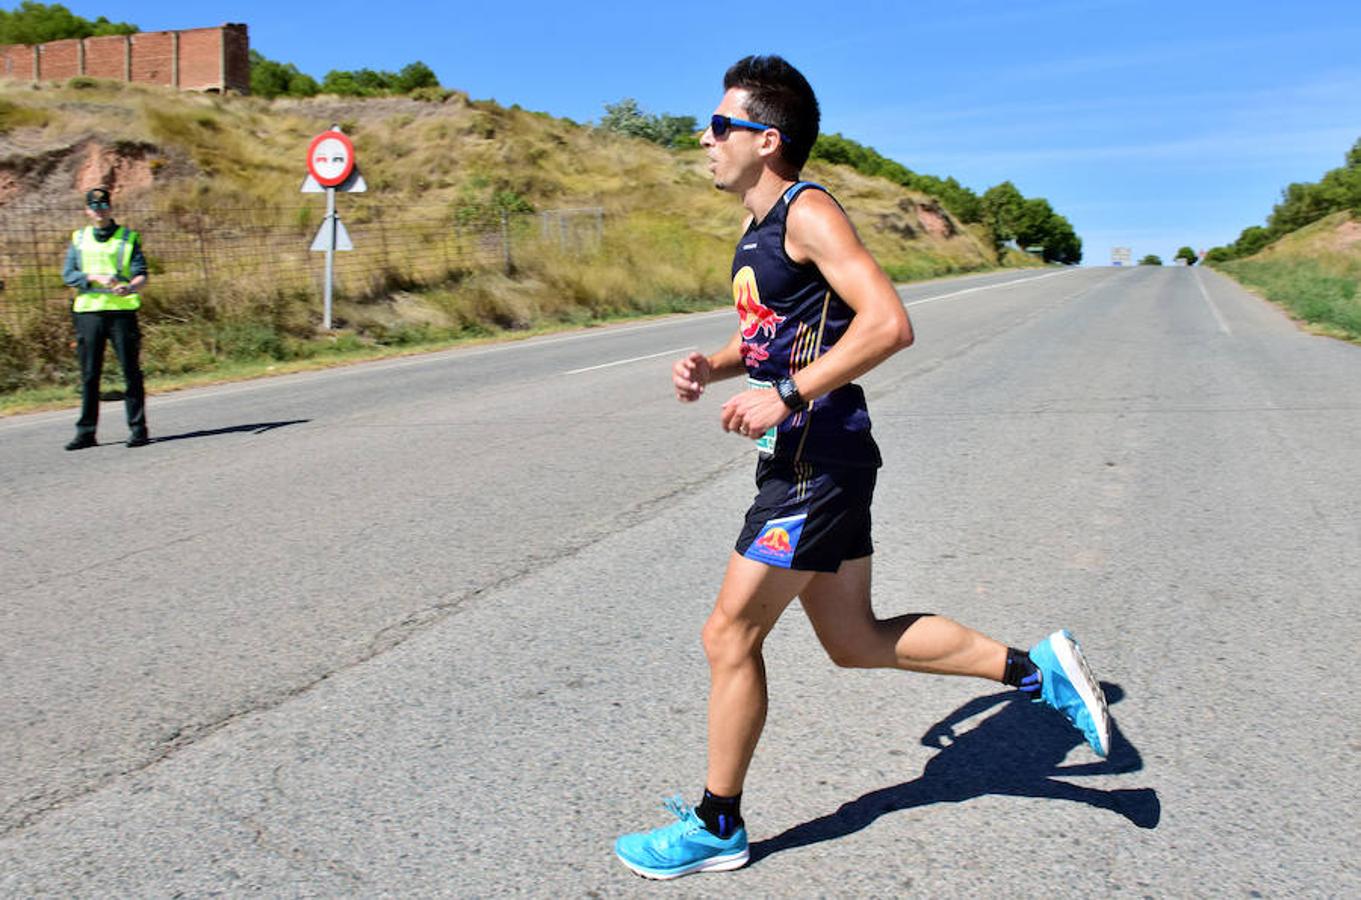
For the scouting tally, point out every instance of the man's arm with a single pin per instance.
(136, 270)
(71, 273)
(691, 373)
(818, 232)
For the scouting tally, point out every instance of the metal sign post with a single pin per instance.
(331, 167)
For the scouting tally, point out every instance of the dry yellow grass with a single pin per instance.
(232, 163)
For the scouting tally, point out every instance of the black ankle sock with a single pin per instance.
(1020, 671)
(720, 815)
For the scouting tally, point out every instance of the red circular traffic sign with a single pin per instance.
(330, 159)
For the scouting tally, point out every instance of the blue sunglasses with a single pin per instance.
(721, 125)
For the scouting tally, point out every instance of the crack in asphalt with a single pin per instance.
(385, 640)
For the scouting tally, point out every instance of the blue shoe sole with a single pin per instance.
(724, 863)
(1075, 668)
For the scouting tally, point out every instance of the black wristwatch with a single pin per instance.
(789, 393)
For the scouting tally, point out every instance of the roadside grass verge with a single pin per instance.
(1324, 295)
(322, 352)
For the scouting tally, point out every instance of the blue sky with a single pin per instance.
(1148, 124)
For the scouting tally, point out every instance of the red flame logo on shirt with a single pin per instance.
(753, 354)
(756, 319)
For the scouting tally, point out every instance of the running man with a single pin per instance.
(816, 312)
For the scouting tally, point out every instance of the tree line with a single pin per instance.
(1008, 214)
(270, 79)
(1301, 204)
(38, 23)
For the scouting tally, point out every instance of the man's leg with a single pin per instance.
(90, 339)
(1055, 670)
(838, 605)
(127, 343)
(749, 604)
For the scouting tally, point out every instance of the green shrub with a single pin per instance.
(1305, 287)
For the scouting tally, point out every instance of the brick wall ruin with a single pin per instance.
(198, 59)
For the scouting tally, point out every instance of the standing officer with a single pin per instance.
(106, 267)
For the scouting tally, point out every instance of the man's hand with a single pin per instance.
(690, 375)
(753, 412)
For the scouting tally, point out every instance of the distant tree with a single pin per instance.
(415, 75)
(1003, 210)
(1253, 238)
(1187, 254)
(377, 83)
(628, 118)
(38, 23)
(1151, 260)
(271, 79)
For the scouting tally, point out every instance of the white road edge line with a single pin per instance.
(985, 287)
(621, 362)
(1219, 317)
(424, 359)
(982, 287)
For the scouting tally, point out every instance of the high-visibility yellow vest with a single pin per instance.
(111, 257)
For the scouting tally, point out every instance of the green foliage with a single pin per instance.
(375, 83)
(958, 199)
(627, 118)
(1302, 203)
(38, 23)
(1030, 222)
(1187, 254)
(415, 76)
(14, 116)
(270, 79)
(1151, 259)
(1308, 289)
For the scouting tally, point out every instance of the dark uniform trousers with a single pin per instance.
(93, 329)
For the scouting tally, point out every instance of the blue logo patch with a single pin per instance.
(777, 541)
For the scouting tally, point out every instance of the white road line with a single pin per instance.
(1223, 326)
(424, 359)
(985, 287)
(620, 362)
(982, 287)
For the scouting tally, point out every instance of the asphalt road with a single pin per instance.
(430, 626)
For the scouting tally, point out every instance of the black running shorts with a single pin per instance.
(809, 517)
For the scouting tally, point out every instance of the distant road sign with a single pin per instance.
(330, 158)
(1121, 256)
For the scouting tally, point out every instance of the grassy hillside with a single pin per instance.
(1314, 272)
(458, 234)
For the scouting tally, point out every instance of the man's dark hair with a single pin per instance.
(779, 95)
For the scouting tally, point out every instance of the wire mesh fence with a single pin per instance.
(214, 259)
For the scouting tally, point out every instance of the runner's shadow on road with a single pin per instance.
(1017, 751)
(256, 428)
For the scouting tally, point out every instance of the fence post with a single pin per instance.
(505, 241)
(203, 259)
(39, 291)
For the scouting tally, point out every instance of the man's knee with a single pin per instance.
(847, 653)
(729, 641)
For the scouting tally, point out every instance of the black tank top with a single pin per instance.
(789, 317)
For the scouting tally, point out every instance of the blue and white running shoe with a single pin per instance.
(1070, 687)
(682, 847)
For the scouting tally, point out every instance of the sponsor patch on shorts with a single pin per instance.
(777, 541)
